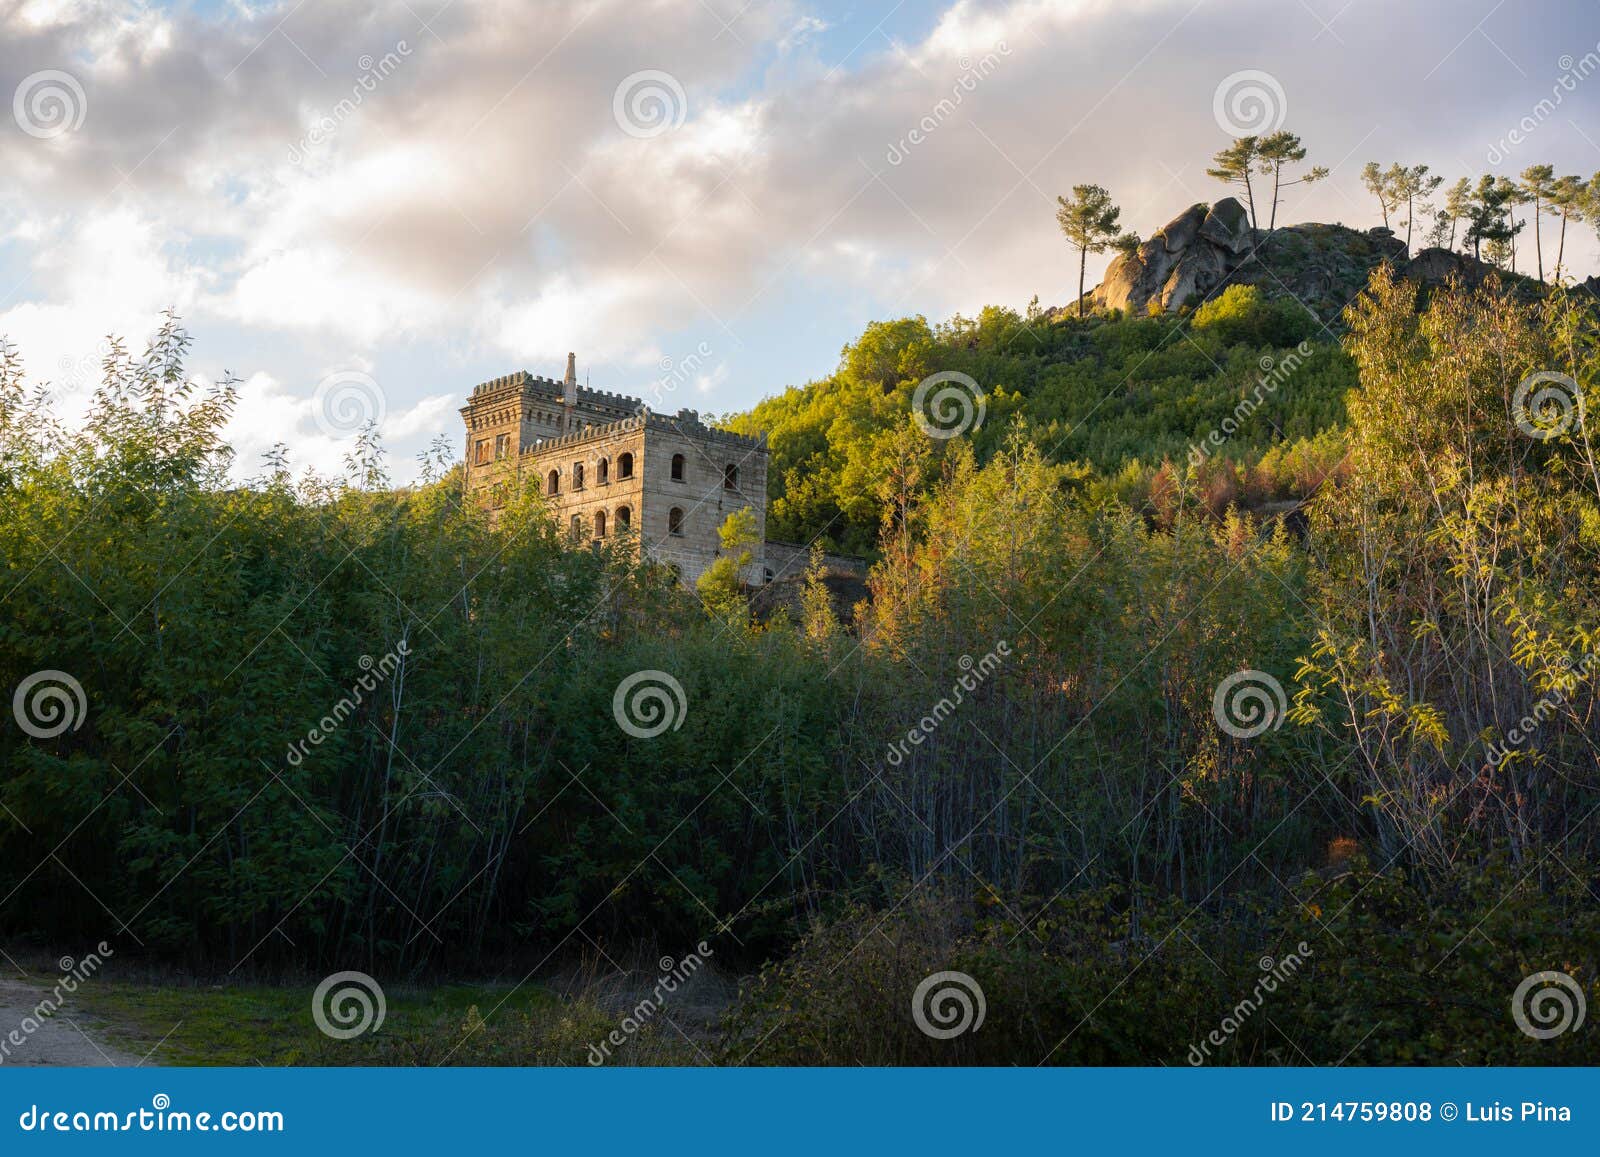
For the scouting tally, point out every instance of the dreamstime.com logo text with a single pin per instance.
(1273, 973)
(325, 125)
(1572, 73)
(376, 672)
(1542, 710)
(674, 975)
(73, 973)
(973, 675)
(1274, 372)
(675, 372)
(160, 1117)
(971, 74)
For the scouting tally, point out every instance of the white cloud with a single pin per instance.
(478, 203)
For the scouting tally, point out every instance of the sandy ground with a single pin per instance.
(66, 1038)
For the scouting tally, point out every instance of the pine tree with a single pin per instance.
(1089, 221)
(1234, 164)
(1538, 187)
(1275, 151)
(1569, 196)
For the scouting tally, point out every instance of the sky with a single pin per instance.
(361, 209)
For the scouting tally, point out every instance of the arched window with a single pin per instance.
(730, 477)
(553, 483)
(577, 525)
(675, 521)
(625, 465)
(577, 475)
(677, 467)
(599, 524)
(624, 518)
(602, 472)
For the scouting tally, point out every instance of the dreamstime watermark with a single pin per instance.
(348, 1004)
(73, 973)
(1547, 1004)
(647, 703)
(159, 1118)
(674, 974)
(49, 703)
(972, 677)
(1543, 709)
(648, 103)
(1572, 73)
(972, 74)
(952, 409)
(346, 401)
(674, 372)
(1274, 973)
(1249, 103)
(325, 124)
(947, 1004)
(376, 673)
(1547, 404)
(49, 103)
(1274, 372)
(75, 375)
(1248, 703)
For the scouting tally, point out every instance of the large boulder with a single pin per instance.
(1228, 225)
(1132, 279)
(1437, 266)
(1200, 269)
(1177, 233)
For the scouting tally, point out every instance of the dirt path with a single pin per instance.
(64, 1038)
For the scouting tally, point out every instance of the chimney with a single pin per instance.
(569, 393)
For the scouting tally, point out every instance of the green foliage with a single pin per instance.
(1104, 393)
(1364, 968)
(341, 724)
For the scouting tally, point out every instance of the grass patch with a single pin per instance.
(197, 1024)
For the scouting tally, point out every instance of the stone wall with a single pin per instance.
(702, 494)
(789, 560)
(518, 431)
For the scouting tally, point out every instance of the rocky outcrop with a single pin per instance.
(1435, 267)
(1191, 254)
(1227, 226)
(1207, 247)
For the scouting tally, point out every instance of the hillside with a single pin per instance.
(1113, 395)
(1189, 356)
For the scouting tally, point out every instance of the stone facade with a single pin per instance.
(609, 467)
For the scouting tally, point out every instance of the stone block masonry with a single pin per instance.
(608, 467)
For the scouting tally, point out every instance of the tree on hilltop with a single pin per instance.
(1089, 221)
(1234, 165)
(1538, 189)
(1458, 204)
(1411, 184)
(1381, 184)
(1569, 197)
(1273, 152)
(1488, 216)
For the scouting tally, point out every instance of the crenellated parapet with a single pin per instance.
(608, 466)
(592, 434)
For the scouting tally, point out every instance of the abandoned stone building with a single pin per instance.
(610, 468)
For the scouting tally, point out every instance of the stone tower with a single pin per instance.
(610, 469)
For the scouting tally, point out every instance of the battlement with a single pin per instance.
(687, 423)
(592, 434)
(680, 479)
